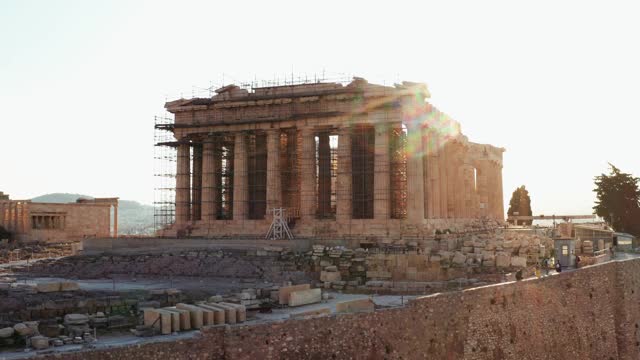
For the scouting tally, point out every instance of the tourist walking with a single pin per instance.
(558, 266)
(577, 261)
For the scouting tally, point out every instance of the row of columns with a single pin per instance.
(452, 185)
(14, 216)
(440, 182)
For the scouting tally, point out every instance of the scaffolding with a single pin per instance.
(398, 170)
(223, 192)
(257, 171)
(165, 159)
(362, 165)
(279, 228)
(289, 173)
(326, 160)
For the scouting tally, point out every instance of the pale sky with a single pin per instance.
(554, 82)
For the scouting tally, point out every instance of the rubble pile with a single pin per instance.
(445, 258)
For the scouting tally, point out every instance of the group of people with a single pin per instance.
(547, 264)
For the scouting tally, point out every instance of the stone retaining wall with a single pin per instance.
(587, 314)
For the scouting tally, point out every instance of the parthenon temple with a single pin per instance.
(346, 161)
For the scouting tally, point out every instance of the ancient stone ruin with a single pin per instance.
(357, 163)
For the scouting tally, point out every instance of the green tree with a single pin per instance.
(618, 200)
(520, 203)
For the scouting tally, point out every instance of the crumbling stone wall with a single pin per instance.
(204, 263)
(587, 314)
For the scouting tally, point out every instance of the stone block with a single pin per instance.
(76, 319)
(519, 261)
(23, 330)
(154, 318)
(48, 287)
(69, 286)
(218, 312)
(358, 305)
(459, 258)
(305, 297)
(285, 291)
(330, 276)
(310, 313)
(208, 316)
(489, 262)
(467, 249)
(503, 259)
(230, 312)
(175, 319)
(195, 313)
(6, 332)
(215, 298)
(39, 342)
(184, 317)
(241, 311)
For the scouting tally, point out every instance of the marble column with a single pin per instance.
(208, 180)
(433, 172)
(274, 185)
(500, 191)
(442, 180)
(382, 178)
(183, 184)
(307, 174)
(415, 181)
(482, 189)
(324, 174)
(426, 166)
(459, 183)
(196, 187)
(344, 194)
(240, 178)
(115, 220)
(16, 217)
(2, 214)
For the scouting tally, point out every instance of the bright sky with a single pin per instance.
(554, 82)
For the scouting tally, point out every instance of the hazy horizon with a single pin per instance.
(553, 83)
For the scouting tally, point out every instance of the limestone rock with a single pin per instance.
(503, 259)
(40, 342)
(330, 276)
(69, 286)
(23, 330)
(304, 297)
(519, 261)
(6, 332)
(357, 305)
(76, 319)
(459, 258)
(48, 287)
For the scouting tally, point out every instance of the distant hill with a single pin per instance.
(133, 218)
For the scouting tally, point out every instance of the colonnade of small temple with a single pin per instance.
(387, 166)
(14, 215)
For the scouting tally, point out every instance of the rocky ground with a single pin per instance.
(17, 251)
(205, 263)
